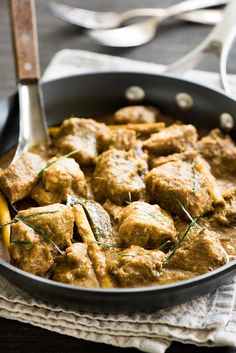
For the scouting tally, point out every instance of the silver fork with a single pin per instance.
(107, 20)
(142, 32)
(33, 126)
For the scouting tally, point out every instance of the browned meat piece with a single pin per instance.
(155, 161)
(226, 214)
(79, 134)
(117, 175)
(145, 225)
(29, 251)
(75, 267)
(56, 221)
(175, 138)
(200, 252)
(19, 178)
(59, 180)
(113, 210)
(141, 129)
(120, 138)
(220, 151)
(189, 183)
(136, 114)
(134, 266)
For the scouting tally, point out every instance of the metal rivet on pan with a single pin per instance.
(135, 94)
(226, 122)
(184, 101)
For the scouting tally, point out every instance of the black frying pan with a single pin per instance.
(100, 94)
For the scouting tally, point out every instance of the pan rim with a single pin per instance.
(136, 290)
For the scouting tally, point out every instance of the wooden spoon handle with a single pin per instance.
(25, 41)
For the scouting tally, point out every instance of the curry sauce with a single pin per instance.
(143, 200)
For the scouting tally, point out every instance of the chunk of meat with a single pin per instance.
(155, 161)
(75, 267)
(145, 225)
(173, 139)
(200, 252)
(120, 138)
(113, 210)
(29, 251)
(136, 114)
(62, 178)
(81, 135)
(226, 214)
(141, 129)
(19, 178)
(117, 175)
(220, 152)
(181, 182)
(134, 266)
(56, 221)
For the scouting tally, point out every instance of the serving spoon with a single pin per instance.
(33, 126)
(142, 32)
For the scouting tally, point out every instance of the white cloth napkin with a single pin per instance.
(209, 320)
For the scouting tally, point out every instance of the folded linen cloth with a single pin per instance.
(209, 320)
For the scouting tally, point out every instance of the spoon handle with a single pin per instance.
(190, 5)
(25, 41)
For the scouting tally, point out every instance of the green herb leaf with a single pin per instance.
(187, 213)
(40, 232)
(19, 242)
(40, 173)
(38, 214)
(162, 246)
(179, 242)
(103, 244)
(129, 201)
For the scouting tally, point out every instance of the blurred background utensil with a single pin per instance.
(144, 31)
(107, 20)
(205, 17)
(33, 126)
(218, 41)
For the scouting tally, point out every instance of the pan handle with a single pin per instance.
(219, 42)
(25, 41)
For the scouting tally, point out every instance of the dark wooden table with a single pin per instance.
(174, 40)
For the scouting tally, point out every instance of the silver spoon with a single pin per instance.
(142, 32)
(107, 20)
(33, 126)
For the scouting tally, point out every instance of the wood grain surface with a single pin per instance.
(24, 38)
(173, 40)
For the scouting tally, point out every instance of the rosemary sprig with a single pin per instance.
(179, 242)
(40, 232)
(19, 242)
(162, 246)
(129, 201)
(36, 229)
(38, 214)
(157, 218)
(26, 217)
(40, 173)
(13, 207)
(187, 213)
(195, 176)
(103, 244)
